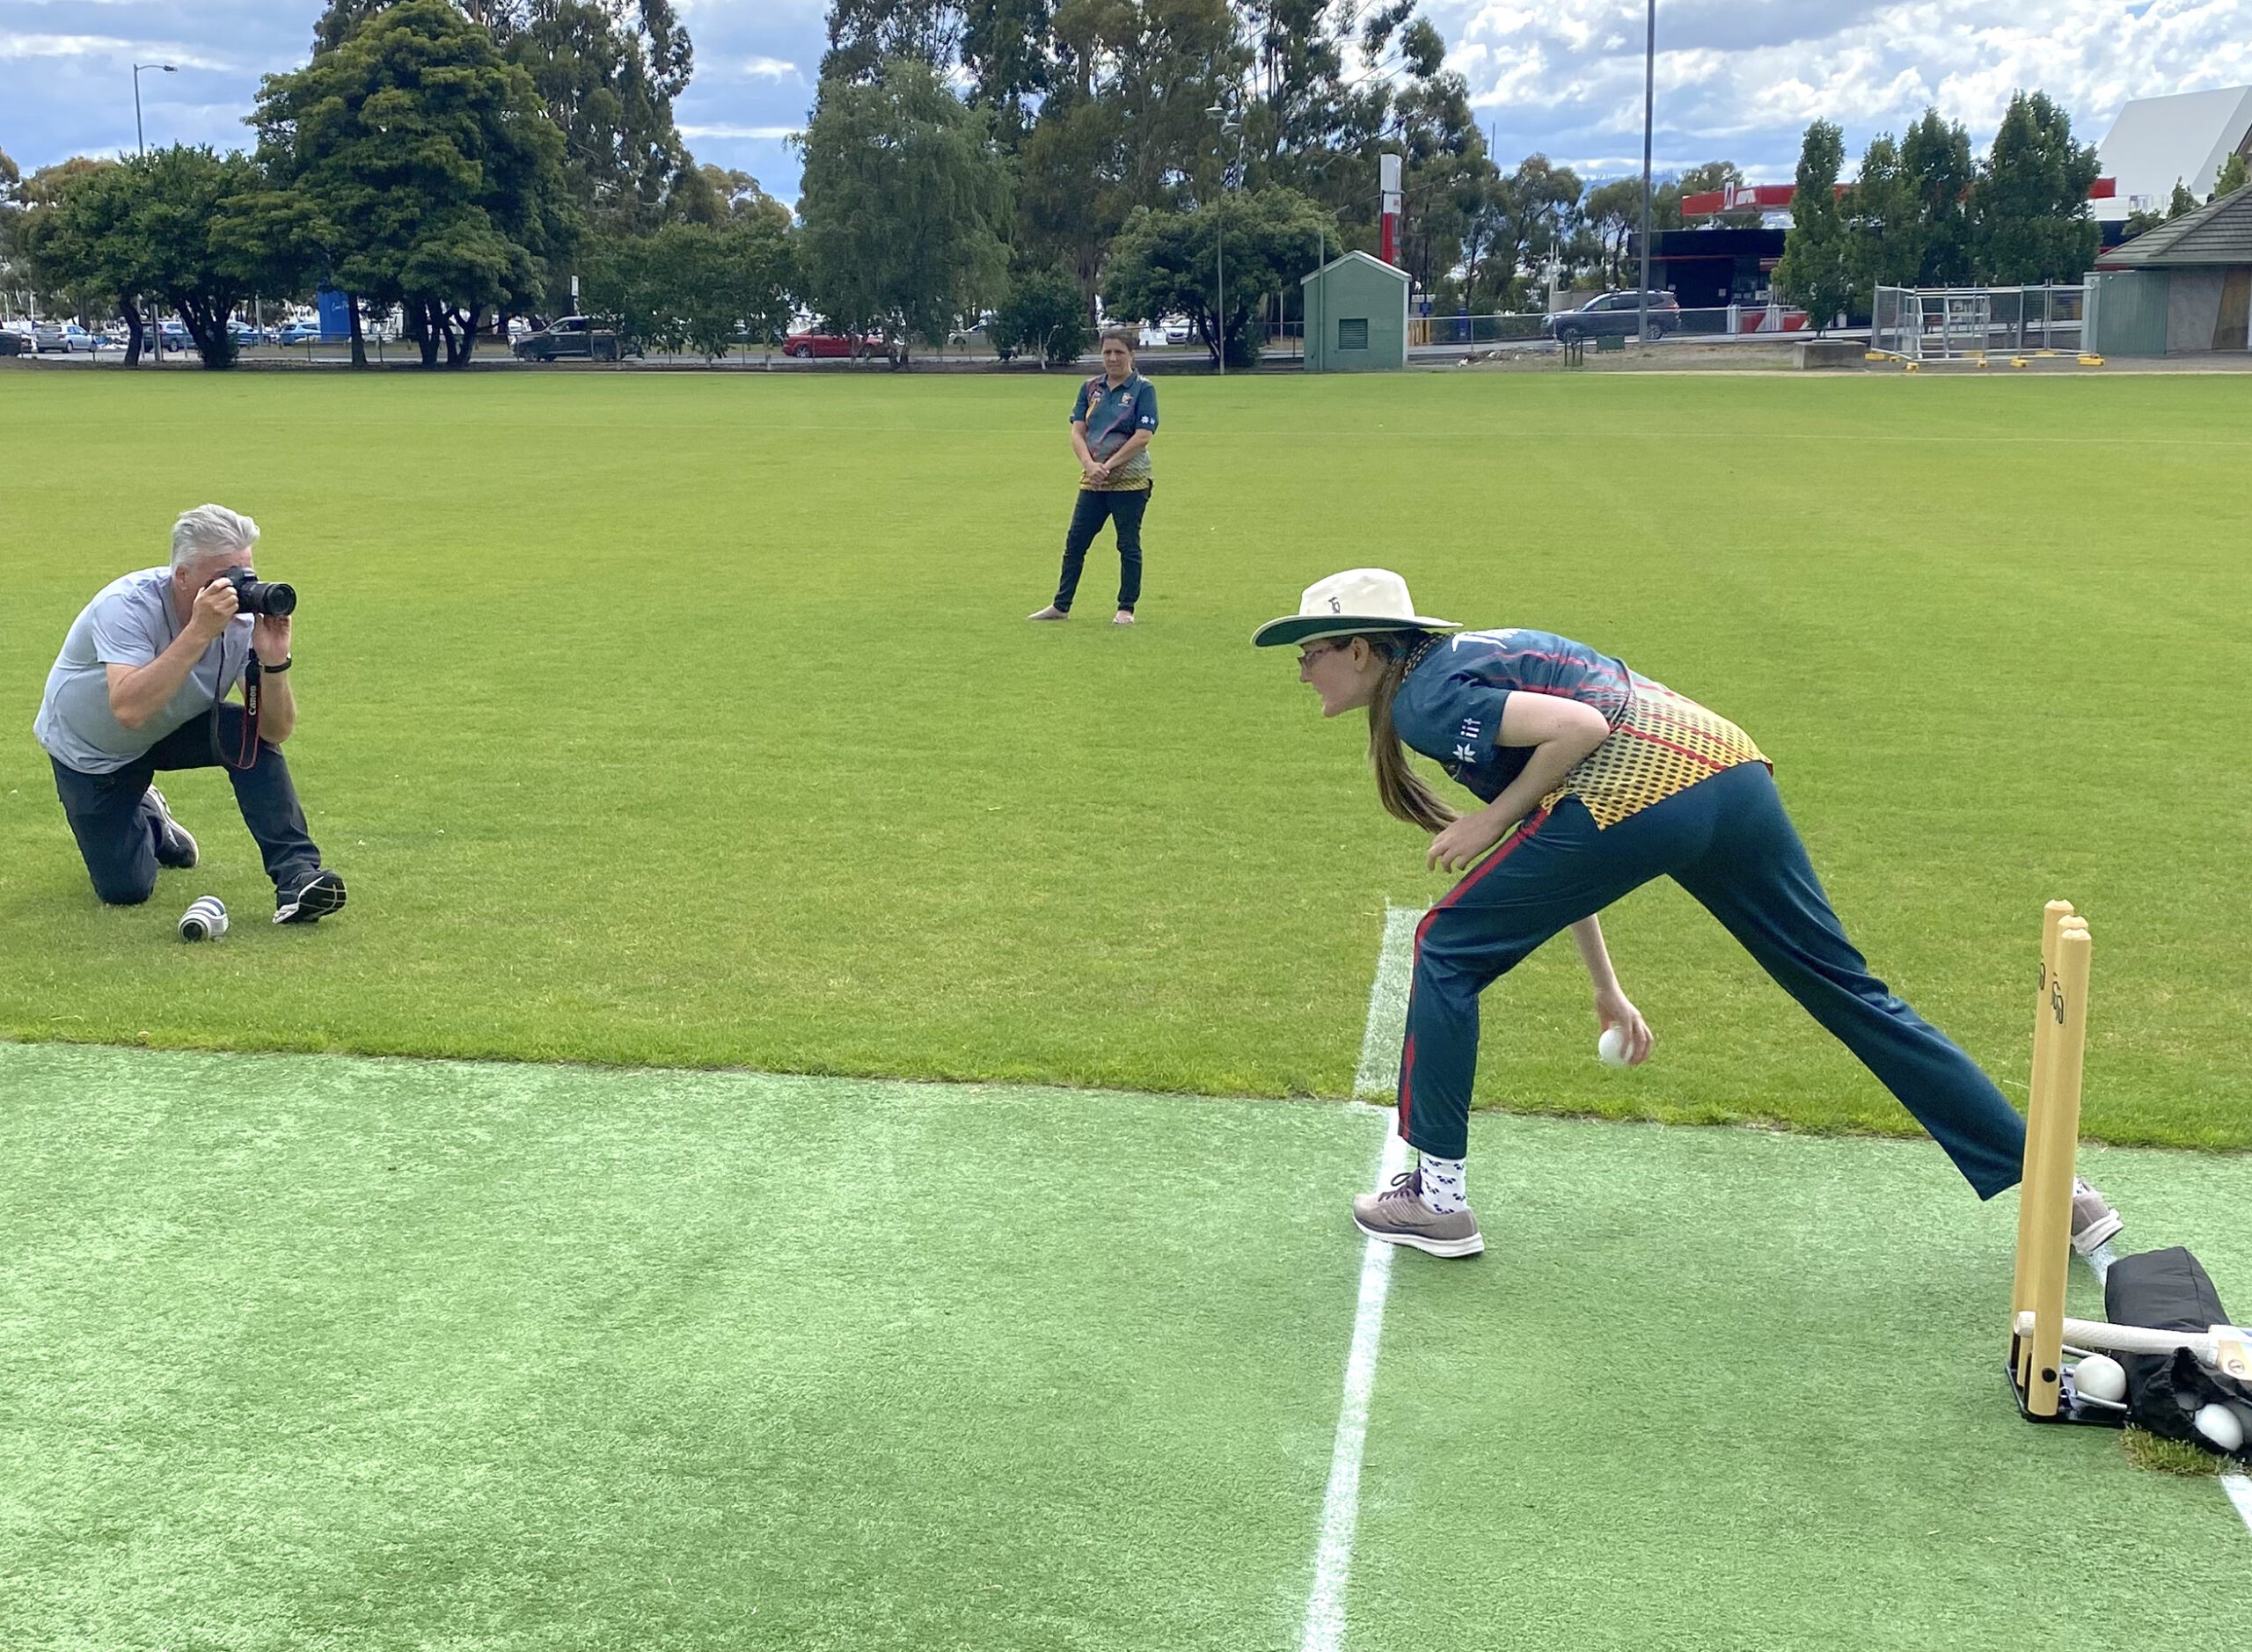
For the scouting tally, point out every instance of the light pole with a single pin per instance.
(1228, 128)
(140, 142)
(1649, 103)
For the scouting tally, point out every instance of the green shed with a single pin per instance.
(1356, 315)
(2184, 286)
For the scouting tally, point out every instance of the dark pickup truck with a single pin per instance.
(1614, 315)
(568, 338)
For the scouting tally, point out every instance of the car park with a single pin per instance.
(1614, 315)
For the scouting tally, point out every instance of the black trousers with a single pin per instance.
(116, 825)
(1124, 512)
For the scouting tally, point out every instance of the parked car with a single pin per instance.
(1615, 315)
(829, 345)
(48, 336)
(76, 338)
(299, 333)
(568, 338)
(12, 342)
(175, 335)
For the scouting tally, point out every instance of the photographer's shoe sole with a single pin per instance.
(322, 894)
(177, 848)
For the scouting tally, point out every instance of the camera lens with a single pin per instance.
(256, 596)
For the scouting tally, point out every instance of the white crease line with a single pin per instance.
(2239, 1487)
(1341, 1504)
(1379, 1073)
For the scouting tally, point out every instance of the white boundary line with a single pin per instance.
(1379, 1075)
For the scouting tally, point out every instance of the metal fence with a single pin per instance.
(1925, 323)
(1723, 321)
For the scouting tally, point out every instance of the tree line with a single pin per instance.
(1170, 157)
(995, 162)
(1923, 212)
(453, 164)
(1020, 164)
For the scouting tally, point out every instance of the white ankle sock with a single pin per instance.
(1444, 1184)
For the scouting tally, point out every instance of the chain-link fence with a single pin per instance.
(1924, 323)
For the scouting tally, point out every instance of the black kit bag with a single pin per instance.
(2170, 1291)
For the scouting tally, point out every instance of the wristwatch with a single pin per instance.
(272, 670)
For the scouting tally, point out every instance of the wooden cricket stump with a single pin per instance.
(2045, 1197)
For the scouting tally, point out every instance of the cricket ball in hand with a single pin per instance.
(1610, 1048)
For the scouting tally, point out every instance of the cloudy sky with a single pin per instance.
(1736, 79)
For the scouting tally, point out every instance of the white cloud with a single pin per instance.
(1742, 78)
(758, 68)
(766, 133)
(25, 46)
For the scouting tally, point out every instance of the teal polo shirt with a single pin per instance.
(1112, 416)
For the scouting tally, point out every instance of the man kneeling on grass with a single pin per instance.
(142, 684)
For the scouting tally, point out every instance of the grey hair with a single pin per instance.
(211, 530)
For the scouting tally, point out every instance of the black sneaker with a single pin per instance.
(311, 900)
(174, 847)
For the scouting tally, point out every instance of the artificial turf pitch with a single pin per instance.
(306, 1351)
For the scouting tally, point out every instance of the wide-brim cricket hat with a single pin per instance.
(1348, 604)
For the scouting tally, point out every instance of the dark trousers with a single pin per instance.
(116, 825)
(1729, 843)
(1124, 512)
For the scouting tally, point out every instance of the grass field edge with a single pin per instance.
(1696, 1117)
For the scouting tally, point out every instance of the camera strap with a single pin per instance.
(246, 750)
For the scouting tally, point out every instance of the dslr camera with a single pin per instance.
(260, 596)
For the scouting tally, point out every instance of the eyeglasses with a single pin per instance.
(1308, 655)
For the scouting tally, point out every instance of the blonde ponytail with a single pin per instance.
(1404, 794)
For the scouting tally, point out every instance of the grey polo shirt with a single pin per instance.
(130, 623)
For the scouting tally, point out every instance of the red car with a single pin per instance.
(807, 345)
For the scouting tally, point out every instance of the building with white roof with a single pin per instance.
(2158, 142)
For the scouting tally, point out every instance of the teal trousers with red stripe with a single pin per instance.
(1728, 841)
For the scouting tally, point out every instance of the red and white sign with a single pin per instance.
(1388, 181)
